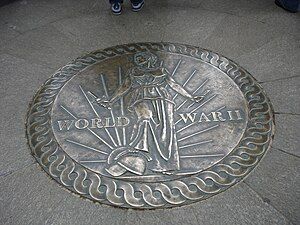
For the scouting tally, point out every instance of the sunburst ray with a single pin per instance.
(96, 135)
(111, 110)
(186, 82)
(92, 161)
(201, 156)
(199, 132)
(93, 108)
(175, 69)
(195, 144)
(86, 146)
(122, 106)
(194, 92)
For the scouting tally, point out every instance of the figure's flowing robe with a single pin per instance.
(154, 131)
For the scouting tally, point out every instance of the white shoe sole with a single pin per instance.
(116, 13)
(136, 10)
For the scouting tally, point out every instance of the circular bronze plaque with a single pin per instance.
(149, 125)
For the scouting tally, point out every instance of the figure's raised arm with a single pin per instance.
(122, 90)
(180, 90)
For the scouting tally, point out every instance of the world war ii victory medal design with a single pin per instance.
(149, 125)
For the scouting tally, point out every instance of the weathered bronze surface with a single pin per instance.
(149, 125)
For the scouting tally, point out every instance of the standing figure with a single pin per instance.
(149, 99)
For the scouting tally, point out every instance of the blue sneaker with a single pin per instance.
(116, 8)
(137, 6)
(289, 5)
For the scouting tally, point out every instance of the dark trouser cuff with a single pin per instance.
(136, 1)
(115, 1)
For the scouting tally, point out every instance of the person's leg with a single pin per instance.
(137, 5)
(136, 1)
(115, 1)
(289, 5)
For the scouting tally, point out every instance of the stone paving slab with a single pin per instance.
(261, 11)
(171, 4)
(22, 79)
(287, 133)
(7, 34)
(277, 179)
(284, 95)
(150, 27)
(39, 200)
(277, 59)
(156, 24)
(273, 15)
(196, 31)
(237, 36)
(26, 15)
(46, 46)
(239, 205)
(239, 8)
(86, 31)
(39, 36)
(31, 197)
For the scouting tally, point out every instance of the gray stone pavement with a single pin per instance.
(39, 36)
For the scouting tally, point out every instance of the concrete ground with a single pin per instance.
(39, 36)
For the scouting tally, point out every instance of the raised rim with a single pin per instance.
(219, 177)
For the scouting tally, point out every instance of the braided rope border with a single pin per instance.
(230, 170)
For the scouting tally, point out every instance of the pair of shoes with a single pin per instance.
(116, 8)
(137, 6)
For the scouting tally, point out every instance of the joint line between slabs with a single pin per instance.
(262, 199)
(283, 151)
(13, 171)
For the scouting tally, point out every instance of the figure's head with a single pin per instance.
(147, 60)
